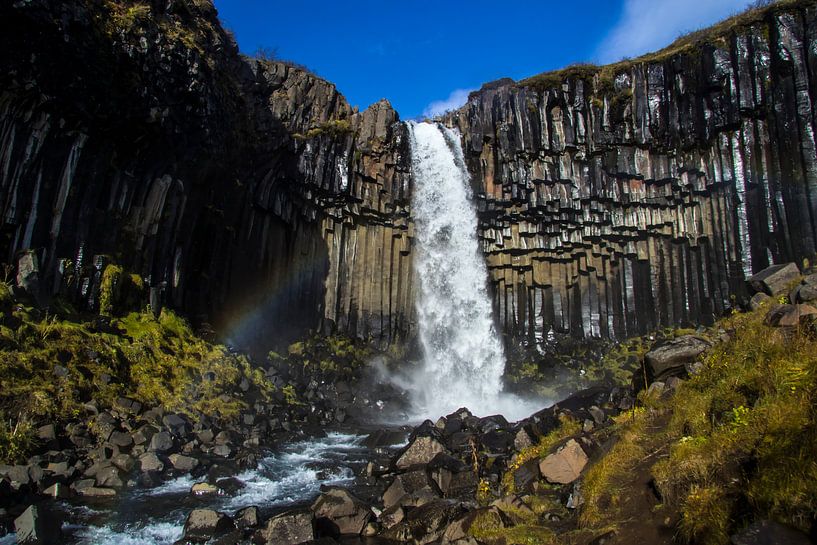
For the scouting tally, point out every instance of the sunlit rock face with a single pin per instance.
(643, 195)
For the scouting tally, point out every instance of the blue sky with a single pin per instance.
(425, 56)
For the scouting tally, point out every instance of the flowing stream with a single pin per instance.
(463, 355)
(292, 475)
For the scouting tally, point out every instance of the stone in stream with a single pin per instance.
(338, 512)
(669, 359)
(247, 517)
(38, 526)
(289, 528)
(775, 279)
(202, 525)
(565, 465)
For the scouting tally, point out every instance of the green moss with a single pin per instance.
(488, 526)
(16, 441)
(157, 361)
(109, 289)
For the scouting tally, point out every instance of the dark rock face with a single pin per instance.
(642, 196)
(224, 182)
(611, 203)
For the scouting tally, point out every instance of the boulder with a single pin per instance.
(420, 452)
(338, 512)
(125, 462)
(789, 315)
(96, 492)
(204, 489)
(38, 526)
(202, 525)
(175, 424)
(150, 462)
(766, 532)
(120, 439)
(565, 465)
(109, 477)
(775, 279)
(247, 517)
(287, 529)
(670, 358)
(183, 463)
(427, 523)
(161, 442)
(758, 300)
(525, 475)
(410, 486)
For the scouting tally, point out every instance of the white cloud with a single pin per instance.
(457, 98)
(649, 25)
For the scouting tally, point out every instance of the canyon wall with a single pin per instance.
(614, 200)
(251, 195)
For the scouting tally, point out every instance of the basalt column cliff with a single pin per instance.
(247, 193)
(251, 195)
(626, 197)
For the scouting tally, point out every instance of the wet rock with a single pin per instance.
(384, 438)
(775, 279)
(565, 465)
(247, 517)
(768, 532)
(287, 529)
(96, 492)
(203, 525)
(205, 489)
(230, 485)
(338, 512)
(420, 451)
(670, 358)
(206, 436)
(38, 525)
(224, 451)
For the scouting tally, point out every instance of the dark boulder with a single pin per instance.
(427, 523)
(775, 279)
(38, 525)
(410, 489)
(161, 442)
(202, 525)
(338, 512)
(286, 529)
(670, 358)
(420, 451)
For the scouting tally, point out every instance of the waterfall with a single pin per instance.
(463, 357)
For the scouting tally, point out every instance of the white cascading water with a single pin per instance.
(463, 355)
